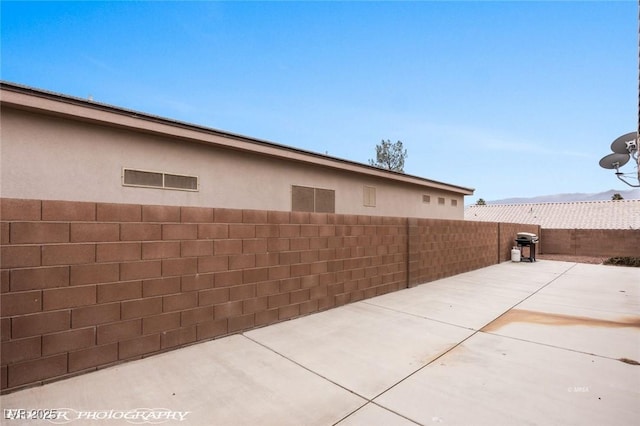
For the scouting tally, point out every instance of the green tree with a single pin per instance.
(616, 196)
(481, 202)
(390, 156)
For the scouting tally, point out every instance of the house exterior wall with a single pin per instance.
(54, 157)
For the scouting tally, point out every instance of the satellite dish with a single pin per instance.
(625, 144)
(615, 160)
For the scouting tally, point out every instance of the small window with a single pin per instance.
(160, 180)
(426, 199)
(454, 203)
(441, 201)
(369, 196)
(306, 199)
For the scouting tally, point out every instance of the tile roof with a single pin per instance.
(620, 214)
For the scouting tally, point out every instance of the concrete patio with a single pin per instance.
(515, 343)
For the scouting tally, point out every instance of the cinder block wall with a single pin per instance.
(89, 285)
(441, 248)
(592, 242)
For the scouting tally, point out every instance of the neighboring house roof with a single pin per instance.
(620, 214)
(29, 98)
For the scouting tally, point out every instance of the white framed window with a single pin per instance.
(160, 180)
(369, 196)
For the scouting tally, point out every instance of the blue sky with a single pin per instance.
(514, 99)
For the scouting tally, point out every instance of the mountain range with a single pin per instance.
(632, 194)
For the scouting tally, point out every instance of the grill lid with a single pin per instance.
(527, 237)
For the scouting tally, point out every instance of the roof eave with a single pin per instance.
(24, 97)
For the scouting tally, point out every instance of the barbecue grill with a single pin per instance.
(527, 239)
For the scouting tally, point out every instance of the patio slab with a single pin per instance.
(475, 298)
(364, 348)
(584, 310)
(230, 381)
(374, 415)
(492, 346)
(490, 380)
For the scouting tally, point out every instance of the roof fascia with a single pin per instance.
(27, 98)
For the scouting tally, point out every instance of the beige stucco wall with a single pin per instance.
(54, 157)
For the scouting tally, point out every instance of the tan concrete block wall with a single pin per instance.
(441, 248)
(88, 285)
(592, 242)
(558, 241)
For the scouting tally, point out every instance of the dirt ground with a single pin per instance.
(569, 258)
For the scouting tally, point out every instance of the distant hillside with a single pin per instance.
(632, 194)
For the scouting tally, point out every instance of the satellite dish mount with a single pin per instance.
(624, 148)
